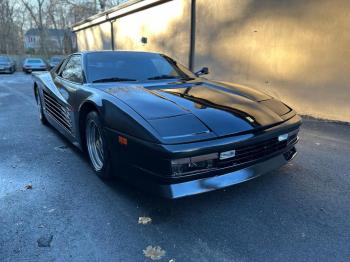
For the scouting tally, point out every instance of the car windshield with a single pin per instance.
(4, 59)
(133, 66)
(34, 61)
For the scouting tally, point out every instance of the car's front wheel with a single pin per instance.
(96, 146)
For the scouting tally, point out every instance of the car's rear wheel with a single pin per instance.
(42, 117)
(96, 146)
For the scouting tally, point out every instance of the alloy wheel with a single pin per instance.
(95, 145)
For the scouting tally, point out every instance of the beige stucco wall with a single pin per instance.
(166, 26)
(298, 51)
(95, 38)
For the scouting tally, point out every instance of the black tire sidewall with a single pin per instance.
(105, 172)
(43, 119)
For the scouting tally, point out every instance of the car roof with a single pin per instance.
(113, 51)
(33, 58)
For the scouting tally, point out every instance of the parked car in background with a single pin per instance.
(55, 60)
(34, 64)
(7, 65)
(177, 133)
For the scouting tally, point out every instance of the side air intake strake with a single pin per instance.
(58, 112)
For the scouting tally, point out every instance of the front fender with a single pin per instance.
(118, 116)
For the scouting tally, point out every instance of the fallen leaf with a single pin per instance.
(29, 186)
(145, 220)
(62, 148)
(154, 253)
(45, 241)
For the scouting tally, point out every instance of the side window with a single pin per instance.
(73, 70)
(60, 66)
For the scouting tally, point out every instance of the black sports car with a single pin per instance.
(146, 118)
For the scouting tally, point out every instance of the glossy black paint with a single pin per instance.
(167, 119)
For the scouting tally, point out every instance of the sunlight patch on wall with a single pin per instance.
(166, 28)
(95, 38)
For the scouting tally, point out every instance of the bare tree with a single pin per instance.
(35, 10)
(9, 30)
(18, 16)
(53, 10)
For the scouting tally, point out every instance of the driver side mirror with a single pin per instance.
(203, 71)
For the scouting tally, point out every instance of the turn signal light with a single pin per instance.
(122, 140)
(189, 165)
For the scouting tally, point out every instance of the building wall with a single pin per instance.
(31, 41)
(95, 38)
(166, 27)
(296, 50)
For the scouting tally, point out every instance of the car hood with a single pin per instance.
(201, 109)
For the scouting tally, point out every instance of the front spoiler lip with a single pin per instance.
(203, 185)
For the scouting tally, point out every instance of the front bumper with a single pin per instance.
(6, 69)
(149, 162)
(203, 185)
(31, 69)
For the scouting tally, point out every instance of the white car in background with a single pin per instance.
(34, 64)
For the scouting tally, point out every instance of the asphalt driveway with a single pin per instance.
(53, 207)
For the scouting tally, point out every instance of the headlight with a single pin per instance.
(190, 165)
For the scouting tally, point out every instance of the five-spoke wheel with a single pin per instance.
(96, 145)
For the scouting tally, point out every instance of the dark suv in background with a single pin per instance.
(55, 60)
(7, 65)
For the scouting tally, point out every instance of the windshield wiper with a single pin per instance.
(187, 78)
(162, 77)
(112, 79)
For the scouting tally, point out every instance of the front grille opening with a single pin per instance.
(256, 151)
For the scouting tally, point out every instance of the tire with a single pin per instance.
(96, 146)
(42, 117)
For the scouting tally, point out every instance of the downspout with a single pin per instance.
(192, 36)
(112, 36)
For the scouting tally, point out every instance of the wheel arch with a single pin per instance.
(36, 90)
(85, 108)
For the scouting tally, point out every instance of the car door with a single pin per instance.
(67, 80)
